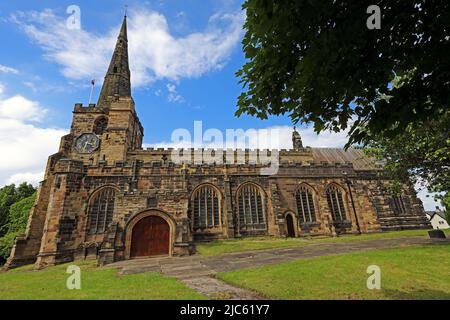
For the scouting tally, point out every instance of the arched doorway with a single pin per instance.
(150, 237)
(290, 226)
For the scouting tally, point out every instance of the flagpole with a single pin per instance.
(92, 91)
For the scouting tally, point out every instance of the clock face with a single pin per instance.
(87, 143)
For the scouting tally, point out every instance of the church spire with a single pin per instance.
(117, 79)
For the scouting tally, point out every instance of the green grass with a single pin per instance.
(248, 244)
(408, 273)
(96, 284)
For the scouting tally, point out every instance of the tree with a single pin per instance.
(318, 62)
(17, 223)
(8, 196)
(420, 154)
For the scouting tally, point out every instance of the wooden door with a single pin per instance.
(150, 237)
(290, 226)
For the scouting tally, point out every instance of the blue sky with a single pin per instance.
(209, 96)
(184, 55)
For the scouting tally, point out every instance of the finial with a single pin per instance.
(126, 10)
(295, 129)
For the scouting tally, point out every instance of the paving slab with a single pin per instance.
(219, 290)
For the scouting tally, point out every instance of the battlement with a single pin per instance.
(79, 107)
(227, 150)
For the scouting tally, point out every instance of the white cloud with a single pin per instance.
(30, 85)
(25, 149)
(2, 89)
(5, 69)
(154, 52)
(20, 108)
(29, 177)
(24, 146)
(173, 94)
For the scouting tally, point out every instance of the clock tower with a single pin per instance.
(106, 131)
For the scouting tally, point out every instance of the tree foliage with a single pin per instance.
(318, 62)
(17, 223)
(420, 155)
(8, 196)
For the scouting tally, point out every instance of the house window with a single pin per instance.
(250, 206)
(205, 208)
(100, 126)
(397, 205)
(336, 203)
(305, 205)
(101, 210)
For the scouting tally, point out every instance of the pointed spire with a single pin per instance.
(117, 79)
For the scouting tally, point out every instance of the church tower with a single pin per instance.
(107, 131)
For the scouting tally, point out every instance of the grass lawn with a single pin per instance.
(219, 247)
(96, 284)
(407, 273)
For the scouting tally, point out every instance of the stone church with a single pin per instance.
(104, 197)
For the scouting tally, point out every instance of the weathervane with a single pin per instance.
(126, 10)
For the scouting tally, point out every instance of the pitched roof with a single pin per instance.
(357, 157)
(439, 213)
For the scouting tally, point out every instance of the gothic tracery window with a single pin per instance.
(336, 203)
(205, 208)
(101, 210)
(305, 205)
(250, 207)
(100, 125)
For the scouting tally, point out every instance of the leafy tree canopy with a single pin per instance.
(16, 225)
(318, 62)
(8, 196)
(420, 155)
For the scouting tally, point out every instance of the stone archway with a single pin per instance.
(149, 233)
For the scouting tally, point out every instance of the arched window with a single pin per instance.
(100, 125)
(397, 205)
(250, 206)
(101, 210)
(336, 203)
(305, 205)
(205, 208)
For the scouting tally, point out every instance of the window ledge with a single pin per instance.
(310, 224)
